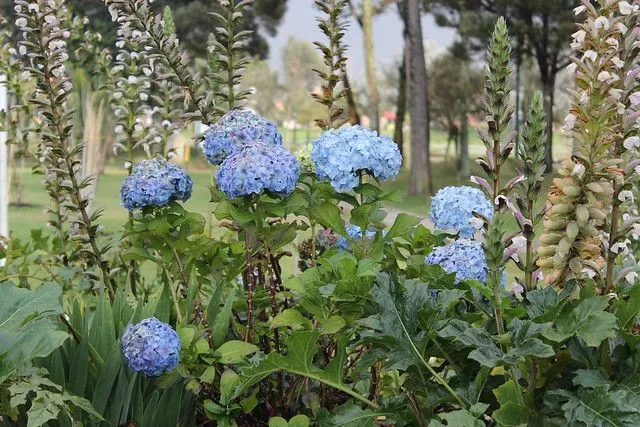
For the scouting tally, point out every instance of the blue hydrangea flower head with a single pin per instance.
(155, 182)
(233, 131)
(258, 167)
(341, 155)
(355, 233)
(453, 207)
(150, 347)
(464, 257)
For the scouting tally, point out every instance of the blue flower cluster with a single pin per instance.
(155, 182)
(257, 167)
(464, 257)
(340, 155)
(150, 347)
(453, 207)
(355, 233)
(233, 131)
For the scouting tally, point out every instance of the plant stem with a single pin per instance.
(70, 164)
(174, 296)
(250, 288)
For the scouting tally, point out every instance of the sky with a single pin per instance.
(299, 21)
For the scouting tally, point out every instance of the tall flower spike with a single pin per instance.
(497, 140)
(624, 216)
(231, 56)
(46, 46)
(333, 52)
(531, 158)
(138, 24)
(129, 101)
(578, 201)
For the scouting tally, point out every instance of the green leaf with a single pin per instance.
(588, 320)
(228, 382)
(302, 346)
(368, 268)
(290, 318)
(221, 323)
(234, 351)
(460, 418)
(403, 224)
(26, 331)
(351, 415)
(599, 407)
(329, 216)
(44, 408)
(332, 325)
(397, 319)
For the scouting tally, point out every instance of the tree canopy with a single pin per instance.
(193, 22)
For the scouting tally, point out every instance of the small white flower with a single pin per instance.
(26, 75)
(570, 122)
(601, 22)
(587, 272)
(631, 277)
(634, 98)
(626, 8)
(132, 80)
(618, 247)
(21, 22)
(590, 54)
(519, 242)
(604, 76)
(119, 129)
(127, 165)
(143, 96)
(616, 94)
(631, 142)
(578, 170)
(622, 28)
(625, 195)
(578, 10)
(578, 39)
(477, 223)
(617, 62)
(571, 68)
(613, 42)
(517, 288)
(636, 231)
(50, 19)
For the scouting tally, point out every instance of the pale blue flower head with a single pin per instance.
(233, 131)
(453, 207)
(155, 182)
(340, 155)
(258, 167)
(463, 257)
(355, 233)
(150, 347)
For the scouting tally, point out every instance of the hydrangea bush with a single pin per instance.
(150, 347)
(155, 182)
(180, 320)
(454, 207)
(236, 129)
(341, 156)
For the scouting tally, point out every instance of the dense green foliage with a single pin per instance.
(367, 332)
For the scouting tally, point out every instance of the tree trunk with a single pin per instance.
(548, 89)
(420, 179)
(372, 83)
(464, 147)
(352, 108)
(401, 104)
